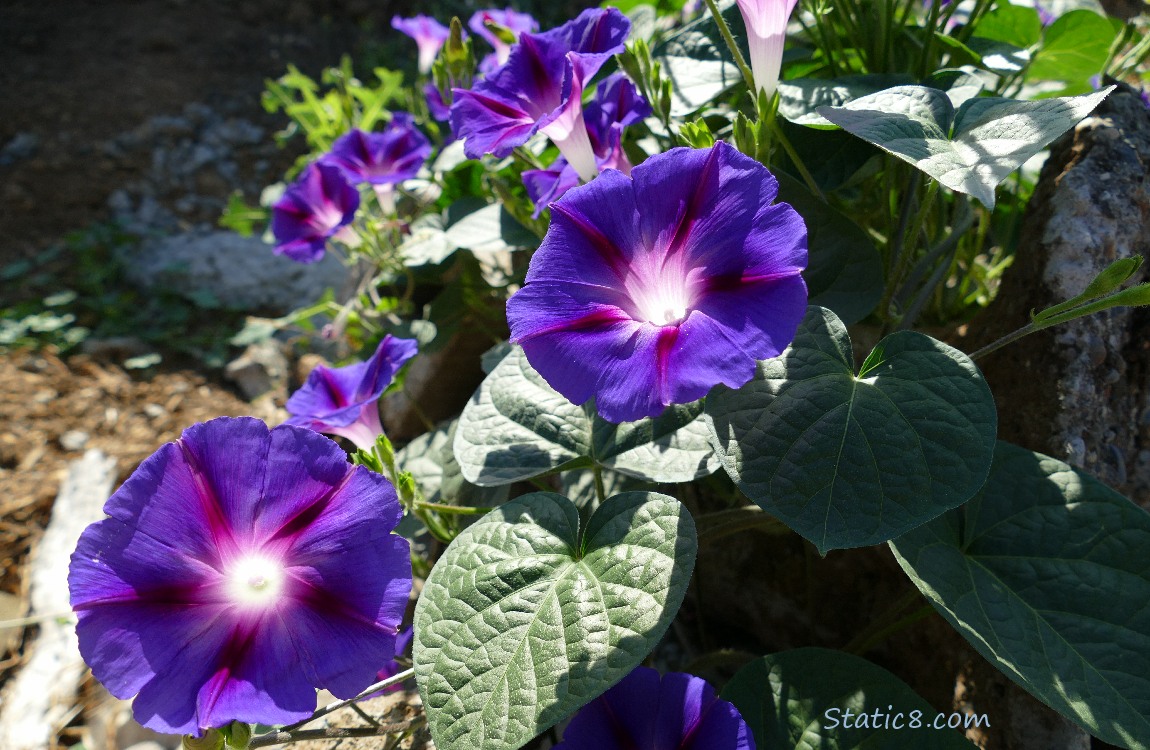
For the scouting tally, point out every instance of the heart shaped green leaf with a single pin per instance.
(971, 151)
(1046, 573)
(850, 460)
(516, 426)
(816, 697)
(1074, 48)
(523, 620)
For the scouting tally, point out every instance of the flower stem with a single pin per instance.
(459, 510)
(885, 624)
(600, 491)
(725, 30)
(331, 707)
(1009, 338)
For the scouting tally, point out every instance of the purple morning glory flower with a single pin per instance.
(241, 568)
(429, 36)
(678, 712)
(541, 89)
(513, 21)
(647, 291)
(313, 208)
(344, 401)
(436, 107)
(617, 104)
(393, 667)
(766, 22)
(384, 158)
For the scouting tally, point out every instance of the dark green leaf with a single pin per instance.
(848, 461)
(1045, 572)
(819, 698)
(845, 271)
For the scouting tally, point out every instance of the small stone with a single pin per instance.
(1075, 451)
(262, 368)
(73, 440)
(1095, 350)
(154, 411)
(22, 146)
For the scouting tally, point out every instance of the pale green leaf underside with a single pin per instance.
(785, 699)
(849, 461)
(970, 151)
(521, 623)
(516, 427)
(1046, 573)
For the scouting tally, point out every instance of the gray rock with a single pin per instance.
(22, 146)
(241, 272)
(1080, 391)
(262, 368)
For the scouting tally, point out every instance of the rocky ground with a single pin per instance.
(146, 116)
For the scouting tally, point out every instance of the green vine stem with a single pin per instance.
(725, 30)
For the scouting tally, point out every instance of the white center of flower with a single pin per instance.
(255, 581)
(664, 306)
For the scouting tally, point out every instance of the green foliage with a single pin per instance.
(816, 697)
(844, 272)
(1045, 573)
(101, 303)
(969, 149)
(849, 460)
(525, 618)
(517, 427)
(324, 111)
(1074, 48)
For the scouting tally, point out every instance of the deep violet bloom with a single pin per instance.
(512, 20)
(647, 291)
(766, 22)
(241, 568)
(385, 158)
(344, 401)
(315, 207)
(429, 36)
(678, 712)
(617, 104)
(393, 667)
(436, 107)
(541, 89)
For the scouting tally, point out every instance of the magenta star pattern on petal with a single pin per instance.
(676, 712)
(313, 209)
(650, 290)
(240, 569)
(541, 89)
(344, 401)
(385, 158)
